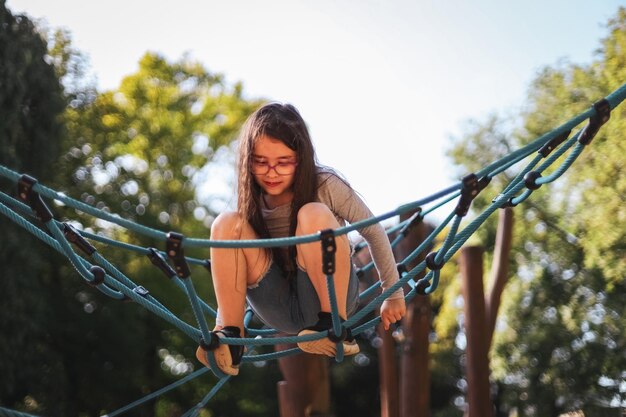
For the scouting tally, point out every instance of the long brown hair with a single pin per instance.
(284, 123)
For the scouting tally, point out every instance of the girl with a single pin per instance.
(283, 191)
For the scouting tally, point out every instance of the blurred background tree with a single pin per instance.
(562, 336)
(31, 102)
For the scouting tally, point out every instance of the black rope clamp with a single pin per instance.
(346, 334)
(72, 236)
(553, 143)
(603, 114)
(212, 344)
(329, 248)
(359, 247)
(432, 264)
(207, 264)
(413, 220)
(174, 249)
(402, 269)
(98, 275)
(29, 196)
(360, 273)
(159, 261)
(530, 180)
(507, 203)
(421, 286)
(471, 187)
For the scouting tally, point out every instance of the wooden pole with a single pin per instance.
(477, 365)
(306, 388)
(415, 357)
(288, 404)
(387, 364)
(415, 360)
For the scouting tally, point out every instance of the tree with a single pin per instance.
(30, 132)
(564, 319)
(143, 151)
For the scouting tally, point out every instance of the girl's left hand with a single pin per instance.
(392, 311)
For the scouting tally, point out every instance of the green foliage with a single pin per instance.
(563, 323)
(31, 103)
(30, 97)
(140, 151)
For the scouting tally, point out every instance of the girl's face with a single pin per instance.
(274, 166)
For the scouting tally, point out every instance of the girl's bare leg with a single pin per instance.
(312, 218)
(232, 270)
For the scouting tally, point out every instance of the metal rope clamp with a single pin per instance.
(603, 114)
(471, 187)
(329, 248)
(174, 249)
(159, 261)
(410, 224)
(72, 236)
(29, 196)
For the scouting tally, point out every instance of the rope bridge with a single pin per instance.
(30, 211)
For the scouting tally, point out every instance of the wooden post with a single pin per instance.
(389, 401)
(477, 365)
(306, 388)
(415, 359)
(387, 362)
(410, 397)
(288, 404)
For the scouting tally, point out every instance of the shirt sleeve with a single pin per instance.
(347, 205)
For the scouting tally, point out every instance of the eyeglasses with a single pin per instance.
(281, 168)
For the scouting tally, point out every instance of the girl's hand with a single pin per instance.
(392, 311)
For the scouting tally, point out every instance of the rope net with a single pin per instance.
(30, 211)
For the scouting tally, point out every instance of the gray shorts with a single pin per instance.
(291, 305)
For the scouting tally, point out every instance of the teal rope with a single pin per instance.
(5, 412)
(563, 167)
(48, 240)
(449, 239)
(157, 393)
(196, 410)
(428, 241)
(445, 253)
(122, 289)
(131, 247)
(614, 99)
(195, 305)
(379, 297)
(520, 176)
(124, 280)
(334, 311)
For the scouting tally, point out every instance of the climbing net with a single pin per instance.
(30, 211)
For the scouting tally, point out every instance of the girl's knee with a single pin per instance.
(316, 216)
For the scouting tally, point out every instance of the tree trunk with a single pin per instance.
(477, 364)
(499, 270)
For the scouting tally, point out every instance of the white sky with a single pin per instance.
(381, 84)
